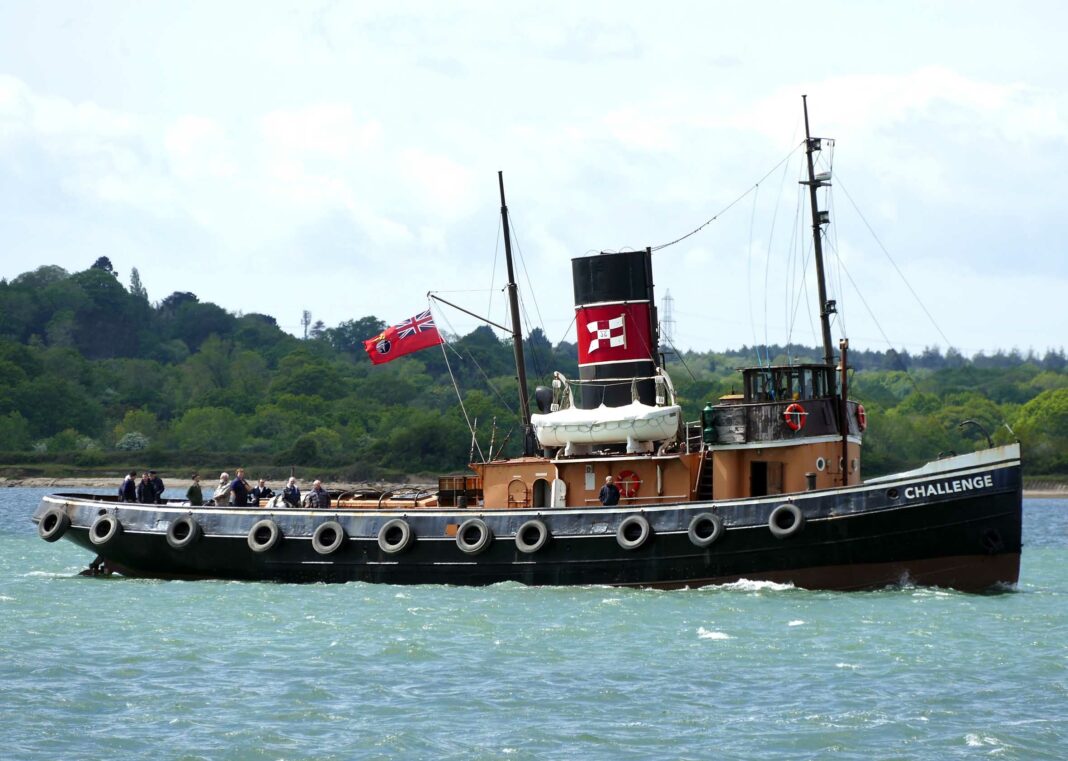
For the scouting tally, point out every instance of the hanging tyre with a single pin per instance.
(532, 536)
(633, 532)
(104, 529)
(473, 536)
(264, 535)
(394, 536)
(786, 520)
(54, 524)
(328, 537)
(183, 532)
(705, 529)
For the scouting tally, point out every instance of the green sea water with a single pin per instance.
(127, 669)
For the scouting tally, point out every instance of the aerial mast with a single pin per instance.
(819, 218)
(517, 330)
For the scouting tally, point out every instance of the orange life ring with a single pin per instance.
(628, 483)
(795, 415)
(862, 417)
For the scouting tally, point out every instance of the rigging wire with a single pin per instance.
(893, 263)
(459, 397)
(749, 272)
(771, 238)
(729, 206)
(481, 372)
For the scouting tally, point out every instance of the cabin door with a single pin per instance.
(765, 478)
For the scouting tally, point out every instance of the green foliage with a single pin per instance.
(87, 363)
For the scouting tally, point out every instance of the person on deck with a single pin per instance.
(128, 490)
(291, 494)
(194, 493)
(262, 491)
(145, 494)
(157, 487)
(609, 492)
(221, 497)
(318, 498)
(239, 489)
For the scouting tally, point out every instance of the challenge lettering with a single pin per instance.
(948, 487)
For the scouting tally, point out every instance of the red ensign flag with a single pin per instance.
(413, 334)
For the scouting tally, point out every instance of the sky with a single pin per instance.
(342, 158)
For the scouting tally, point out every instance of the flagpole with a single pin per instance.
(517, 330)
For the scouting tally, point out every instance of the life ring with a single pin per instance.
(862, 418)
(532, 536)
(628, 483)
(633, 532)
(328, 537)
(54, 524)
(104, 529)
(795, 415)
(183, 532)
(782, 526)
(473, 536)
(705, 529)
(264, 535)
(394, 536)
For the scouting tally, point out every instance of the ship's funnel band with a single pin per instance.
(609, 333)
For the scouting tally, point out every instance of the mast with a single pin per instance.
(827, 308)
(517, 330)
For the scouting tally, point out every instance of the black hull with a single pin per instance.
(858, 538)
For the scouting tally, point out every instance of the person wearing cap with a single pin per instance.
(291, 494)
(157, 487)
(609, 492)
(221, 497)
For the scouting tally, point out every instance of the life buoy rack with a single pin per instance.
(105, 528)
(628, 483)
(862, 418)
(54, 524)
(795, 415)
(183, 532)
(264, 535)
(786, 520)
(328, 537)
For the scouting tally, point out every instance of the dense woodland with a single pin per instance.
(96, 375)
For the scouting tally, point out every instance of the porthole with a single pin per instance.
(821, 464)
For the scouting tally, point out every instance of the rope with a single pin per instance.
(729, 206)
(459, 397)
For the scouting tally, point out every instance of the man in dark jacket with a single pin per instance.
(609, 492)
(263, 491)
(157, 487)
(239, 489)
(145, 494)
(128, 490)
(291, 493)
(318, 498)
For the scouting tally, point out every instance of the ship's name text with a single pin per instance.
(948, 487)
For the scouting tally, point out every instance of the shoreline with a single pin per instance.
(1060, 492)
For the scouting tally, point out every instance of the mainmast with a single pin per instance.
(819, 218)
(517, 330)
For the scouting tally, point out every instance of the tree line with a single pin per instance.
(94, 373)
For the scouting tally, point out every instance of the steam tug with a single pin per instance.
(765, 486)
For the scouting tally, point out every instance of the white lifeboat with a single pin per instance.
(632, 423)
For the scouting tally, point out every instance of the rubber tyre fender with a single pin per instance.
(328, 537)
(105, 528)
(54, 524)
(696, 524)
(774, 520)
(645, 531)
(273, 537)
(183, 532)
(485, 537)
(388, 529)
(529, 547)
